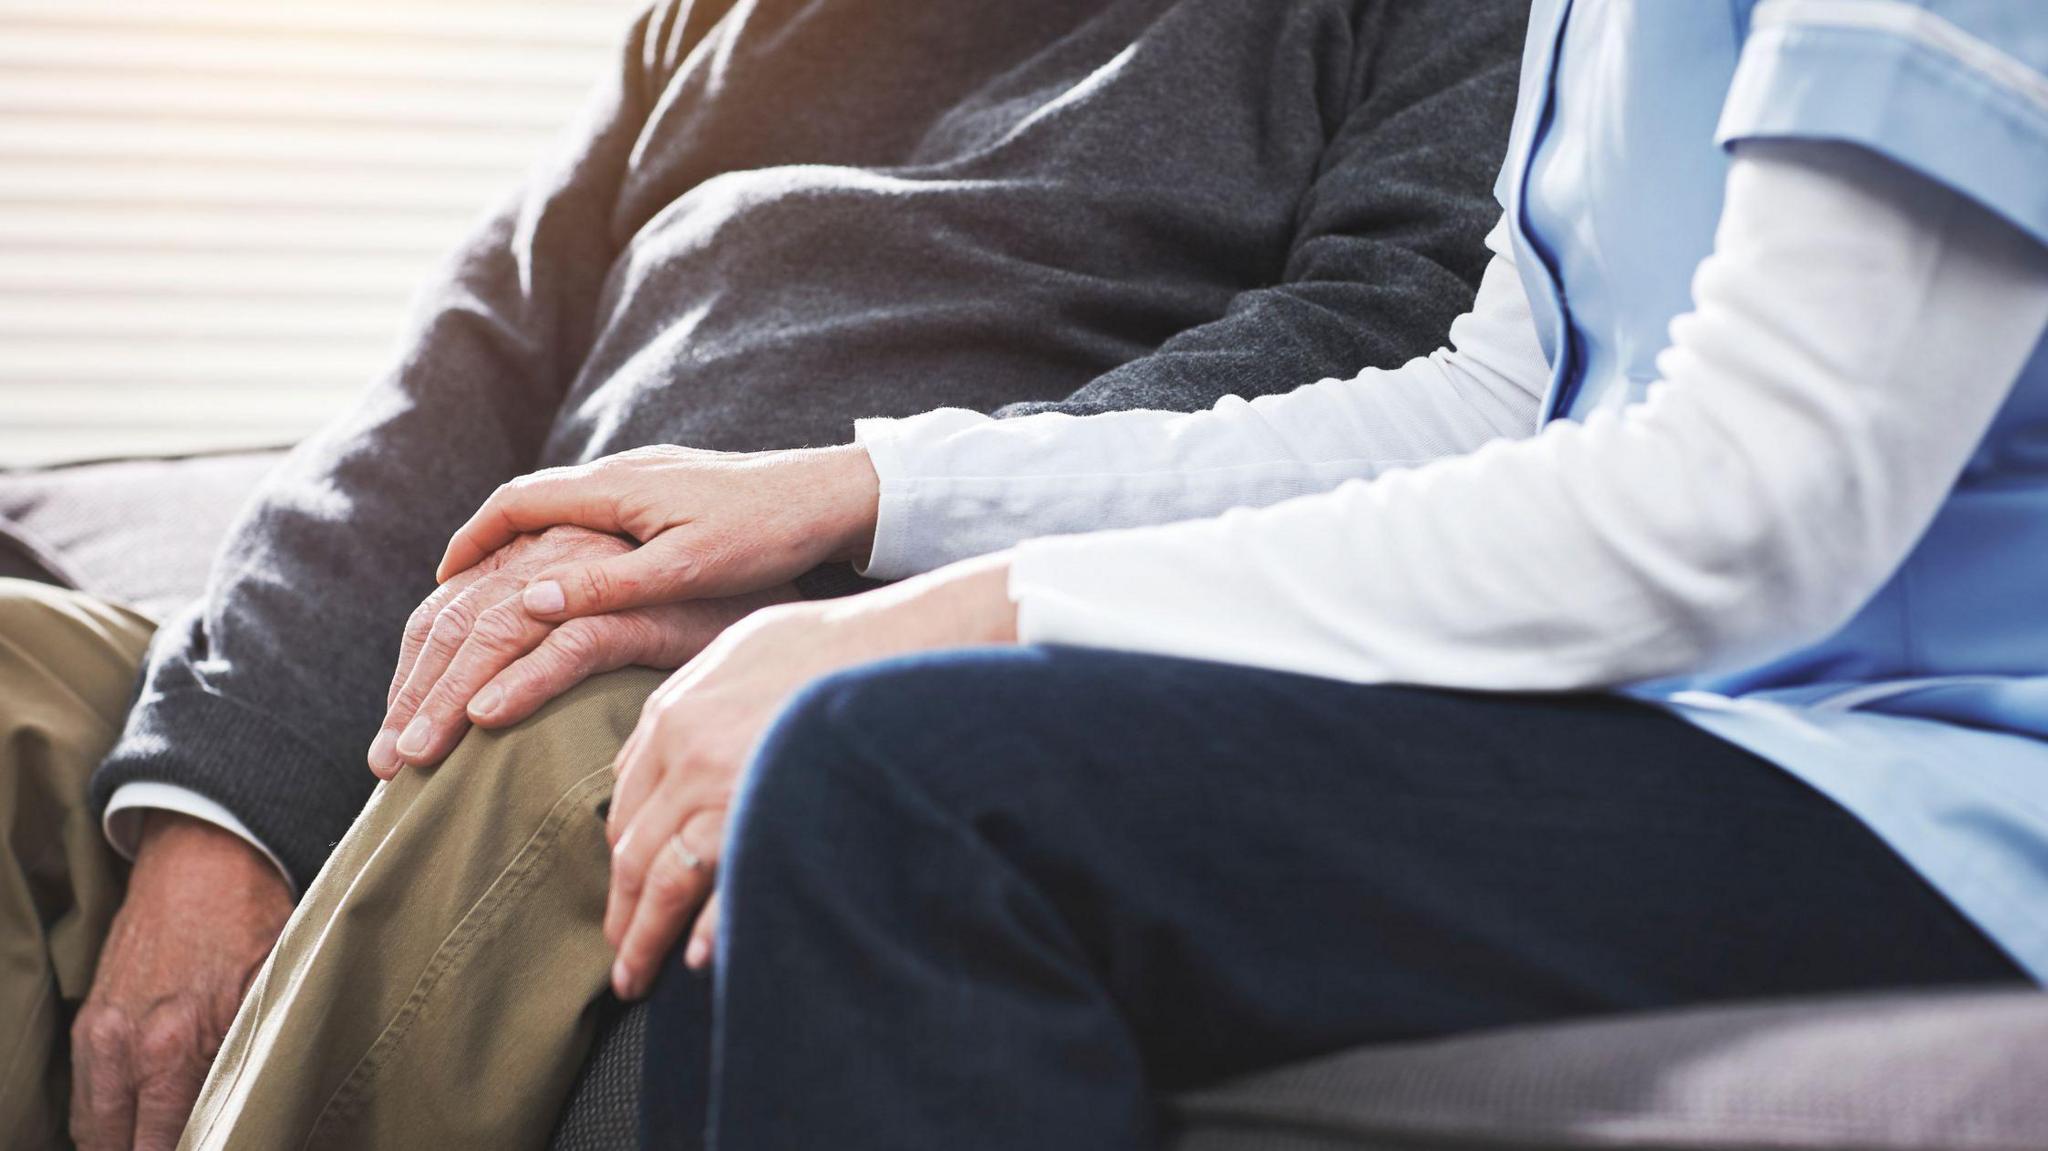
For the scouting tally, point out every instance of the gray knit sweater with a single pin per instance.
(778, 217)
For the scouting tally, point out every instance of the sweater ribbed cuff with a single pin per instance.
(295, 800)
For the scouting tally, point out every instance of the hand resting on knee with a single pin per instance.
(472, 655)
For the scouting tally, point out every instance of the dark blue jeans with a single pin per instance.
(999, 899)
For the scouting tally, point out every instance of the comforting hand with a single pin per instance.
(202, 912)
(680, 767)
(709, 524)
(472, 654)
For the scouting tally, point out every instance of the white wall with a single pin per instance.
(212, 212)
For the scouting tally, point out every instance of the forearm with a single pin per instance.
(953, 484)
(132, 804)
(1779, 474)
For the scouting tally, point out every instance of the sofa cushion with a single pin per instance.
(24, 556)
(1926, 1072)
(140, 532)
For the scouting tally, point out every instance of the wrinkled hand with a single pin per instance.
(203, 911)
(680, 768)
(472, 654)
(708, 523)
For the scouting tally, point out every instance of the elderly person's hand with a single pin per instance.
(203, 909)
(708, 524)
(472, 655)
(682, 765)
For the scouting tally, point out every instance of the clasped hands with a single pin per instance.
(671, 558)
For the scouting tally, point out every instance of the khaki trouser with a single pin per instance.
(437, 986)
(67, 664)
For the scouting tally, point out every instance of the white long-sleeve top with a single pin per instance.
(1854, 333)
(1855, 330)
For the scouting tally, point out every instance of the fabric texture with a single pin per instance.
(440, 983)
(603, 1110)
(1001, 897)
(1954, 89)
(67, 662)
(24, 557)
(1588, 557)
(955, 484)
(1943, 1071)
(140, 533)
(778, 218)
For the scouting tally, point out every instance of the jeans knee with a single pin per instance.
(802, 758)
(860, 762)
(833, 771)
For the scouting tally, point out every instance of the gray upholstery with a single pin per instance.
(603, 1112)
(23, 556)
(141, 531)
(1932, 1071)
(1925, 1072)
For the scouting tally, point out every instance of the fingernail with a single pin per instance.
(413, 740)
(487, 702)
(622, 982)
(543, 598)
(696, 955)
(381, 760)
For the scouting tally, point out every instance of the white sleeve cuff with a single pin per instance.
(123, 821)
(1041, 587)
(1115, 590)
(904, 545)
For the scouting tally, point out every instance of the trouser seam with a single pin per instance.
(521, 874)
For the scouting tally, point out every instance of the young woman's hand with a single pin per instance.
(682, 764)
(708, 524)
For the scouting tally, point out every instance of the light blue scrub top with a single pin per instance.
(1927, 715)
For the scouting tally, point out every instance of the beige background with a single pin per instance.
(212, 212)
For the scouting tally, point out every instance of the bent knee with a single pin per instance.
(576, 732)
(498, 791)
(887, 742)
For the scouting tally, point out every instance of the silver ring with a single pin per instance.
(690, 860)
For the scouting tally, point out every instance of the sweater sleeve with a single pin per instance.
(956, 484)
(263, 696)
(1386, 247)
(1853, 335)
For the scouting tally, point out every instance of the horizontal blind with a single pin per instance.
(213, 212)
